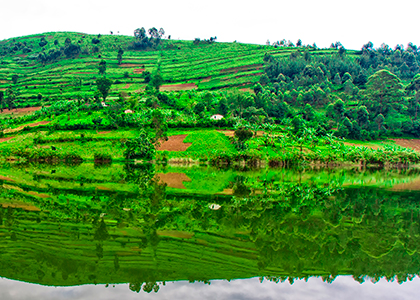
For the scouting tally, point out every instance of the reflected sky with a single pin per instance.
(344, 287)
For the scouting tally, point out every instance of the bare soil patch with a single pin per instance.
(130, 65)
(207, 79)
(408, 186)
(22, 205)
(87, 73)
(127, 86)
(104, 132)
(138, 71)
(358, 145)
(3, 81)
(21, 110)
(4, 178)
(232, 132)
(174, 180)
(241, 68)
(175, 143)
(30, 125)
(247, 90)
(179, 87)
(248, 75)
(176, 234)
(5, 140)
(408, 143)
(22, 55)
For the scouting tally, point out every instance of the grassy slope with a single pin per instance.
(214, 66)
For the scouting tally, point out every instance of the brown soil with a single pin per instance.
(247, 90)
(23, 126)
(174, 180)
(179, 87)
(21, 110)
(358, 145)
(130, 65)
(87, 73)
(138, 71)
(248, 75)
(4, 178)
(3, 81)
(241, 68)
(24, 206)
(38, 195)
(408, 186)
(176, 234)
(175, 143)
(104, 132)
(232, 132)
(408, 143)
(103, 188)
(6, 139)
(207, 79)
(127, 86)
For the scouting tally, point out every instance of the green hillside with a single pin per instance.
(207, 66)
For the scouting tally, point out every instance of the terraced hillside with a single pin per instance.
(183, 65)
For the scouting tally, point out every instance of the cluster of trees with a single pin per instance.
(363, 100)
(69, 50)
(150, 39)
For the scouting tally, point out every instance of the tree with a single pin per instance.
(160, 127)
(102, 67)
(11, 97)
(15, 78)
(103, 85)
(199, 108)
(156, 81)
(119, 55)
(379, 120)
(140, 147)
(1, 100)
(384, 91)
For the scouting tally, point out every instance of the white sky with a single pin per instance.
(353, 23)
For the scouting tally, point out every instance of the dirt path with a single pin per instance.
(26, 125)
(21, 110)
(179, 87)
(175, 143)
(408, 143)
(6, 139)
(174, 180)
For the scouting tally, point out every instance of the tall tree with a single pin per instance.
(119, 55)
(384, 92)
(102, 67)
(103, 85)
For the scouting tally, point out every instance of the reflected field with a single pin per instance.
(123, 224)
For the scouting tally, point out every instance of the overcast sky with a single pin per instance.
(353, 23)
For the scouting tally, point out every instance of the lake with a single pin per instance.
(168, 232)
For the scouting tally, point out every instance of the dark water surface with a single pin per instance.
(130, 231)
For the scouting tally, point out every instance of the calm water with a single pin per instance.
(118, 231)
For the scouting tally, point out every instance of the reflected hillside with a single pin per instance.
(63, 225)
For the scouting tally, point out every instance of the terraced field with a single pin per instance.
(182, 64)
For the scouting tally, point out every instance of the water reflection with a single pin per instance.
(122, 224)
(314, 289)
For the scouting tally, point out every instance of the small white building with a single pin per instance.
(216, 117)
(128, 111)
(104, 104)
